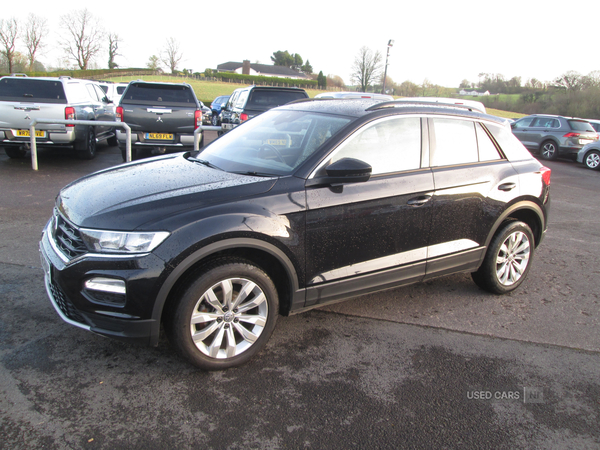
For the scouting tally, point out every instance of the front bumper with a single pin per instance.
(130, 319)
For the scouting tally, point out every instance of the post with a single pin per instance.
(390, 44)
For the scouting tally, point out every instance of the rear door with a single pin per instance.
(473, 184)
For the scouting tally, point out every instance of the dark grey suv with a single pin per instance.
(554, 136)
(305, 205)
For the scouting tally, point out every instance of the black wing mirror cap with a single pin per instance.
(344, 171)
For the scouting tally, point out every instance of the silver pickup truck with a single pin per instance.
(23, 99)
(162, 117)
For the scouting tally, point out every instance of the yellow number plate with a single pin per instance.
(160, 136)
(25, 133)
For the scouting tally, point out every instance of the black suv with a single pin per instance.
(307, 204)
(248, 102)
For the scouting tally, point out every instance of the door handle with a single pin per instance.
(419, 201)
(507, 186)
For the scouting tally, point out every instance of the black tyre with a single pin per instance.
(592, 160)
(225, 316)
(133, 154)
(215, 120)
(88, 148)
(15, 152)
(113, 141)
(549, 150)
(507, 260)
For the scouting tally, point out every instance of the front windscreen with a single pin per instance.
(274, 143)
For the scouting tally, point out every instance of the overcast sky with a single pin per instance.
(441, 41)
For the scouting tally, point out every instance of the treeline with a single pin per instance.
(571, 94)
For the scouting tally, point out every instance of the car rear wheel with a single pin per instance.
(215, 120)
(507, 260)
(88, 147)
(225, 316)
(549, 150)
(15, 152)
(592, 160)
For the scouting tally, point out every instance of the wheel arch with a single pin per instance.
(265, 255)
(528, 212)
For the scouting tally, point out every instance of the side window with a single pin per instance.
(452, 141)
(487, 149)
(545, 122)
(389, 145)
(523, 123)
(92, 93)
(101, 94)
(241, 99)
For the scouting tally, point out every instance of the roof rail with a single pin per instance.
(18, 75)
(397, 103)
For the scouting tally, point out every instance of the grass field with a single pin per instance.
(206, 91)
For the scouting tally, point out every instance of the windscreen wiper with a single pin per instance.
(204, 163)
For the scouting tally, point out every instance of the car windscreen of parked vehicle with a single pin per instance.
(304, 205)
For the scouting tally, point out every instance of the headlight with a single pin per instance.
(122, 242)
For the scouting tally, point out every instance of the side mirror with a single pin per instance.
(344, 171)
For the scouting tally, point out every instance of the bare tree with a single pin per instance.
(171, 56)
(571, 81)
(83, 39)
(113, 47)
(366, 68)
(36, 30)
(9, 30)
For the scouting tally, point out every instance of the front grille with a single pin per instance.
(67, 238)
(65, 304)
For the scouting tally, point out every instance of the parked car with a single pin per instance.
(162, 117)
(216, 107)
(595, 124)
(206, 114)
(554, 136)
(23, 99)
(248, 102)
(113, 91)
(306, 204)
(590, 155)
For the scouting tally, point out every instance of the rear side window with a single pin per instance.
(510, 145)
(31, 90)
(452, 142)
(155, 94)
(580, 125)
(262, 99)
(546, 122)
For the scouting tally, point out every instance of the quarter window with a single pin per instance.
(487, 149)
(389, 145)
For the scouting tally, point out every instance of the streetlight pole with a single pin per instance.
(389, 45)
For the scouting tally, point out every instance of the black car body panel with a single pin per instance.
(321, 241)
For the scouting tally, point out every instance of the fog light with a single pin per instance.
(106, 291)
(106, 285)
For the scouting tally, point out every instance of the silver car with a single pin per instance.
(590, 155)
(554, 136)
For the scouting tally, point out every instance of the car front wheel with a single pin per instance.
(592, 160)
(507, 260)
(225, 316)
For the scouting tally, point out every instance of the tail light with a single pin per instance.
(546, 172)
(571, 134)
(70, 114)
(119, 114)
(243, 117)
(197, 119)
